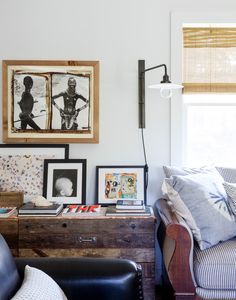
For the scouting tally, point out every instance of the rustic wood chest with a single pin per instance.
(112, 237)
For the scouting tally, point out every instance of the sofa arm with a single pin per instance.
(91, 278)
(177, 249)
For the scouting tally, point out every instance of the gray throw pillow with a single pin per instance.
(202, 201)
(231, 192)
(229, 174)
(173, 170)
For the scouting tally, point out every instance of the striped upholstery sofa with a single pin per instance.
(193, 273)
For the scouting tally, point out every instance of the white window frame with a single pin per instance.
(177, 109)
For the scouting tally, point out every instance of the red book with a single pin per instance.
(74, 209)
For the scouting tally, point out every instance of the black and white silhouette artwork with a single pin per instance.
(50, 101)
(70, 99)
(30, 102)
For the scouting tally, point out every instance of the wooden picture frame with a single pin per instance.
(60, 151)
(65, 180)
(50, 101)
(120, 182)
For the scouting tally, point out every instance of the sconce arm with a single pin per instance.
(152, 68)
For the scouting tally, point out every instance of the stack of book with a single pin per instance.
(30, 209)
(6, 212)
(129, 208)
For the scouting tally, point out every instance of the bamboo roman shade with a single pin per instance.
(209, 59)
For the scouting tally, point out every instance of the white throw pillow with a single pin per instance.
(37, 285)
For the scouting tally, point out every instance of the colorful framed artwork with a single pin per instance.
(50, 101)
(120, 182)
(65, 180)
(22, 166)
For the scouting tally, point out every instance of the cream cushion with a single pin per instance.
(38, 285)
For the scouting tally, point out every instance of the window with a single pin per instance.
(209, 100)
(210, 129)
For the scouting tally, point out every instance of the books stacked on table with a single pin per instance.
(6, 212)
(129, 208)
(76, 210)
(30, 209)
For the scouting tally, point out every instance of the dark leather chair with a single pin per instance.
(79, 278)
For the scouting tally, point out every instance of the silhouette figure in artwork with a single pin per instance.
(69, 113)
(26, 105)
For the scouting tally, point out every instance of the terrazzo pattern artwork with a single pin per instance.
(22, 173)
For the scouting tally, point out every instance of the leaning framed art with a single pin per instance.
(50, 101)
(120, 182)
(22, 166)
(65, 180)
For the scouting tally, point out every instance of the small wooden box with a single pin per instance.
(11, 199)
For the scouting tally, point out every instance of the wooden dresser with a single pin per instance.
(114, 237)
(9, 229)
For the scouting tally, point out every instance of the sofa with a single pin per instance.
(199, 260)
(68, 278)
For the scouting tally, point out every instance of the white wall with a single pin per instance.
(117, 33)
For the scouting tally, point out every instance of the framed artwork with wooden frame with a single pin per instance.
(120, 182)
(50, 101)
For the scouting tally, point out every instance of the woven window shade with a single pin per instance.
(209, 60)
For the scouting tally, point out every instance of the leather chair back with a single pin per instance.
(9, 277)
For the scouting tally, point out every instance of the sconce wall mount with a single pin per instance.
(165, 85)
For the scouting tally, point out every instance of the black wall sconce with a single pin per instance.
(165, 87)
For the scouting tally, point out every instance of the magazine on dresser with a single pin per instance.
(112, 211)
(130, 204)
(6, 212)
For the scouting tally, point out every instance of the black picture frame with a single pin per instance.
(64, 180)
(119, 176)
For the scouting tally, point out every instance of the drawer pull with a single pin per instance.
(93, 239)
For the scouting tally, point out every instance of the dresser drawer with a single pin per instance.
(88, 240)
(85, 233)
(73, 225)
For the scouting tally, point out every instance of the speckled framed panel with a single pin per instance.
(22, 167)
